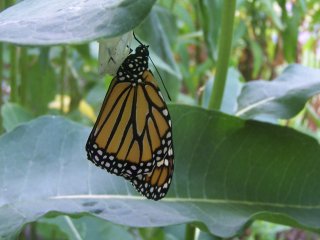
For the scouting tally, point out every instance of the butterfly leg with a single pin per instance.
(131, 50)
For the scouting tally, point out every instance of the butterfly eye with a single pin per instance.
(132, 136)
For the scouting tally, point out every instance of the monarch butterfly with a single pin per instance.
(132, 136)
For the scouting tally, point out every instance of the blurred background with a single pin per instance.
(64, 80)
(268, 35)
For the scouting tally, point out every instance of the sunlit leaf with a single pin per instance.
(46, 22)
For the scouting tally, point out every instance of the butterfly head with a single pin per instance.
(142, 50)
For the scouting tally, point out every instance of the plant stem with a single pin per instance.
(23, 67)
(2, 6)
(172, 4)
(190, 232)
(63, 77)
(13, 65)
(13, 74)
(225, 42)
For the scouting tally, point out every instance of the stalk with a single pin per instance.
(13, 74)
(2, 6)
(23, 67)
(190, 233)
(63, 77)
(225, 41)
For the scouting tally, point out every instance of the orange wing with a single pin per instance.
(156, 184)
(133, 130)
(132, 136)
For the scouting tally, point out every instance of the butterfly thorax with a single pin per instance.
(134, 66)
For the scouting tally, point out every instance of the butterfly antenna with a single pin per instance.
(161, 79)
(137, 39)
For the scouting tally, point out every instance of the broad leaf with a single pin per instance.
(228, 171)
(14, 115)
(281, 98)
(46, 22)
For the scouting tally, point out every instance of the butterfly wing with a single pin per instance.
(108, 142)
(132, 136)
(133, 130)
(155, 184)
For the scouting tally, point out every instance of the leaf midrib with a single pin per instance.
(254, 105)
(187, 200)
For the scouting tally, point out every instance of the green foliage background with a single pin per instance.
(254, 158)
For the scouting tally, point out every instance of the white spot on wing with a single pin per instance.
(166, 162)
(165, 112)
(160, 163)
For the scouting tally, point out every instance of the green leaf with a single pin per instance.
(44, 230)
(41, 83)
(14, 115)
(268, 7)
(267, 231)
(228, 171)
(290, 33)
(87, 227)
(284, 97)
(258, 56)
(46, 22)
(152, 233)
(211, 22)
